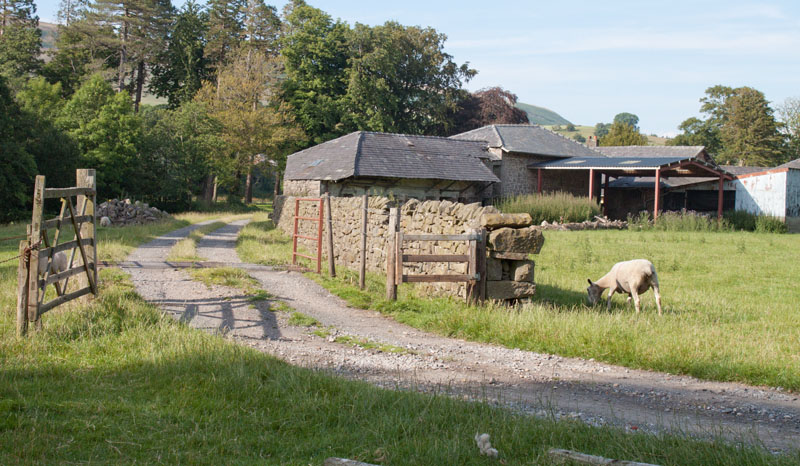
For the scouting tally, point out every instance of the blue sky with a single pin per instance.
(589, 60)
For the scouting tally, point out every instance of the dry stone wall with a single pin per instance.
(418, 217)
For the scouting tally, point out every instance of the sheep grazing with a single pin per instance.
(632, 277)
(105, 221)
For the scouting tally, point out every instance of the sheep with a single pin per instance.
(105, 221)
(59, 264)
(633, 277)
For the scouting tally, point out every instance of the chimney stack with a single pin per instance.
(592, 141)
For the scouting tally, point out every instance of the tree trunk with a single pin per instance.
(248, 187)
(123, 53)
(139, 85)
(277, 190)
(214, 196)
(208, 188)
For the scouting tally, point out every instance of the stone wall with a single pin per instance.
(301, 187)
(416, 217)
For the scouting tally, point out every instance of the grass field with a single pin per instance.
(118, 382)
(587, 131)
(730, 304)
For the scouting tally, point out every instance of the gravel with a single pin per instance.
(539, 384)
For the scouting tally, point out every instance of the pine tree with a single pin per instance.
(20, 38)
(225, 30)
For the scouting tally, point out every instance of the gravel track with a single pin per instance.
(539, 384)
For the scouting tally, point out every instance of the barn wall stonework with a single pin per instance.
(416, 217)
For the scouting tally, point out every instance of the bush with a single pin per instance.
(770, 224)
(570, 127)
(554, 207)
(743, 220)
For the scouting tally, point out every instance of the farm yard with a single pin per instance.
(114, 380)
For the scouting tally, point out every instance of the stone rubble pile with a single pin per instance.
(509, 272)
(125, 212)
(600, 223)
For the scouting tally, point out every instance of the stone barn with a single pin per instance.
(514, 148)
(395, 165)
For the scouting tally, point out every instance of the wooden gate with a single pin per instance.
(39, 246)
(475, 278)
(296, 234)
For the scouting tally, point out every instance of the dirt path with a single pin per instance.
(535, 383)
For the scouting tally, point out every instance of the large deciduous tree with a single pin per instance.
(19, 166)
(488, 106)
(623, 134)
(739, 128)
(789, 114)
(255, 127)
(402, 81)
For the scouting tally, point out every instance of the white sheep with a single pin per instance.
(632, 277)
(59, 264)
(105, 221)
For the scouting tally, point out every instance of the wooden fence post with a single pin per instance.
(22, 290)
(329, 226)
(391, 255)
(362, 273)
(35, 237)
(481, 253)
(85, 178)
(472, 269)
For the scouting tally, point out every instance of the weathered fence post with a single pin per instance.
(472, 269)
(481, 253)
(35, 235)
(391, 255)
(22, 290)
(362, 273)
(85, 178)
(329, 226)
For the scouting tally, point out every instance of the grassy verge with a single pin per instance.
(186, 249)
(117, 382)
(729, 299)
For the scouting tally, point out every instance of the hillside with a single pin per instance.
(541, 115)
(587, 131)
(49, 35)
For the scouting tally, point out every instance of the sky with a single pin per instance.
(589, 60)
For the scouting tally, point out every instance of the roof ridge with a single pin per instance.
(499, 136)
(358, 152)
(382, 133)
(575, 142)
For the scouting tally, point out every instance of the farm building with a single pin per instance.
(403, 166)
(771, 191)
(515, 147)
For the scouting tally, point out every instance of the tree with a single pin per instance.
(579, 137)
(789, 113)
(82, 49)
(628, 119)
(55, 153)
(315, 52)
(108, 134)
(750, 134)
(225, 30)
(182, 66)
(71, 10)
(623, 134)
(739, 128)
(401, 80)
(19, 167)
(488, 106)
(261, 27)
(255, 128)
(601, 129)
(696, 132)
(20, 39)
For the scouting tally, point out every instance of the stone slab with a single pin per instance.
(495, 221)
(521, 240)
(494, 269)
(508, 289)
(522, 271)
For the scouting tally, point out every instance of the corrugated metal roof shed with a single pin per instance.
(618, 163)
(386, 155)
(651, 151)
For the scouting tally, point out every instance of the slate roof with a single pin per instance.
(737, 170)
(386, 155)
(528, 139)
(620, 163)
(652, 151)
(793, 164)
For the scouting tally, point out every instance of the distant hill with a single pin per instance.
(541, 115)
(587, 131)
(49, 35)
